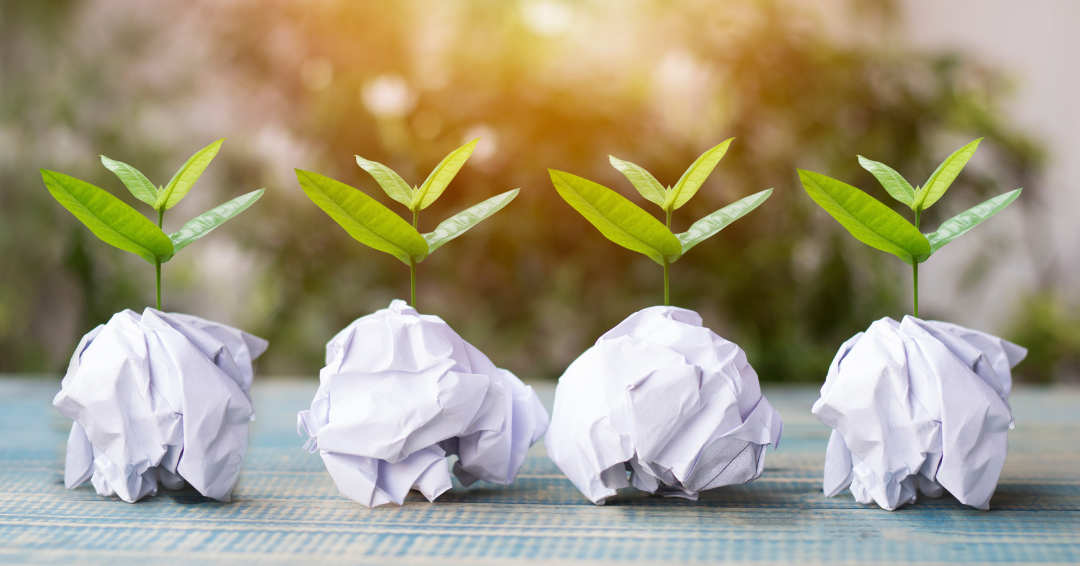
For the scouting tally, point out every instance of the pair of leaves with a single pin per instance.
(117, 224)
(168, 196)
(419, 198)
(878, 226)
(626, 224)
(672, 198)
(920, 199)
(372, 224)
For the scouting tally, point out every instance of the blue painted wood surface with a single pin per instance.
(287, 510)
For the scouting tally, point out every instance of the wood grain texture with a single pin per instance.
(286, 509)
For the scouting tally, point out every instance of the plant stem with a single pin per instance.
(157, 262)
(412, 263)
(412, 278)
(667, 297)
(667, 300)
(915, 271)
(915, 274)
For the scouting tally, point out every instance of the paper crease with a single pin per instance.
(401, 393)
(158, 398)
(662, 404)
(918, 407)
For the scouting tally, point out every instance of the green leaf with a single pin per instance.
(870, 221)
(186, 176)
(364, 218)
(620, 220)
(956, 226)
(108, 217)
(204, 223)
(642, 180)
(694, 176)
(135, 181)
(894, 183)
(707, 227)
(441, 176)
(390, 181)
(457, 224)
(943, 177)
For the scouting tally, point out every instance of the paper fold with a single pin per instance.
(158, 398)
(400, 393)
(918, 406)
(663, 404)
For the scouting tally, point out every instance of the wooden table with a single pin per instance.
(287, 510)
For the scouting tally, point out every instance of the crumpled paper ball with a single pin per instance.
(400, 393)
(161, 397)
(918, 406)
(665, 401)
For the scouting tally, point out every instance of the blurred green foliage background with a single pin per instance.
(545, 84)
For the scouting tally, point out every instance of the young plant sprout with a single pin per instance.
(377, 226)
(626, 224)
(122, 226)
(878, 226)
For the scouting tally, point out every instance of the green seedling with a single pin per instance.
(626, 224)
(377, 226)
(122, 226)
(878, 226)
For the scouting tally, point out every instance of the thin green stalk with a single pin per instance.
(667, 299)
(667, 296)
(412, 281)
(157, 262)
(915, 271)
(915, 274)
(412, 264)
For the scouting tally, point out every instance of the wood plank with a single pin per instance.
(286, 509)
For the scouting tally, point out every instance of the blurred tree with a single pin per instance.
(563, 85)
(1050, 329)
(545, 83)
